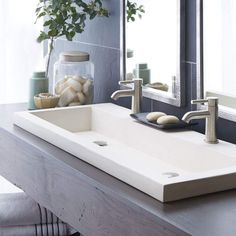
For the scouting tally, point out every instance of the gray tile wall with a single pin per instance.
(102, 40)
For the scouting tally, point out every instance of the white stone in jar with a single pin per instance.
(60, 86)
(81, 98)
(76, 99)
(67, 77)
(74, 104)
(76, 85)
(80, 79)
(88, 87)
(67, 96)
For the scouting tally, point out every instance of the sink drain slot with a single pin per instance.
(101, 143)
(170, 174)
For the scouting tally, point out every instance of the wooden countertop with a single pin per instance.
(96, 203)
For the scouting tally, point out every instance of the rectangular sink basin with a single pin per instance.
(165, 165)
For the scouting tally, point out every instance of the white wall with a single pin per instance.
(20, 54)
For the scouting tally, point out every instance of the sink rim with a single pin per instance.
(60, 131)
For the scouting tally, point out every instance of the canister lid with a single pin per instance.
(74, 56)
(142, 66)
(39, 74)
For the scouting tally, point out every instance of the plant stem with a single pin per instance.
(49, 55)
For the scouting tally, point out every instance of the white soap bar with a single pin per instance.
(153, 116)
(164, 120)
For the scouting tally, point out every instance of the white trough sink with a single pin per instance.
(165, 165)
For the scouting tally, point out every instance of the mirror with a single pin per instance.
(217, 58)
(154, 48)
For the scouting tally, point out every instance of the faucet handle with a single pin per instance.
(212, 101)
(126, 82)
(199, 101)
(136, 80)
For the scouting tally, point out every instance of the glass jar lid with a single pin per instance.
(74, 56)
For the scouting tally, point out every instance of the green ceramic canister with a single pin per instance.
(142, 71)
(38, 84)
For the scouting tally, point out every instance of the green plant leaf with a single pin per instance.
(53, 33)
(43, 36)
(47, 23)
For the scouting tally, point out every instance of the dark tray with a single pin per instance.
(141, 117)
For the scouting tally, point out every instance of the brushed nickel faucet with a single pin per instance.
(135, 92)
(211, 115)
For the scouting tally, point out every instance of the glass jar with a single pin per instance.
(73, 79)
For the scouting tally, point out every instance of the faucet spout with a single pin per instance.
(135, 92)
(210, 115)
(122, 93)
(193, 115)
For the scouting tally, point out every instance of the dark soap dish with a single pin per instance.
(141, 117)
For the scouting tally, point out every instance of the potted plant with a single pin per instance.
(66, 18)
